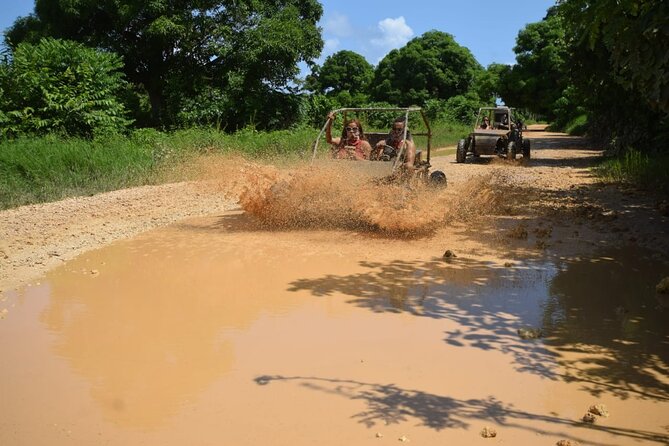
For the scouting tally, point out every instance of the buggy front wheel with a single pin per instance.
(511, 151)
(461, 152)
(438, 178)
(526, 148)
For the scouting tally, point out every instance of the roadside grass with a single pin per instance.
(35, 170)
(51, 168)
(638, 169)
(577, 126)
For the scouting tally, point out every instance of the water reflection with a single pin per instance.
(605, 307)
(600, 314)
(489, 303)
(145, 322)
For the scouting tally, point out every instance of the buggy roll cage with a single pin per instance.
(405, 110)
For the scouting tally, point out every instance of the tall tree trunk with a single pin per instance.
(156, 99)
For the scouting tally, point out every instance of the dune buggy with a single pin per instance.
(496, 132)
(389, 162)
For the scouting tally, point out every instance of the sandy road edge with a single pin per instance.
(37, 238)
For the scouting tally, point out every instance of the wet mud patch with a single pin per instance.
(284, 332)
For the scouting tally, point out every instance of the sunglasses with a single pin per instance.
(352, 129)
(398, 129)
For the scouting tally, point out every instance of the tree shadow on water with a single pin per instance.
(609, 324)
(488, 303)
(601, 310)
(390, 404)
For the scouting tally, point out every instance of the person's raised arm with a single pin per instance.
(328, 130)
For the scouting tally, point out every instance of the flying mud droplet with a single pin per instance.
(488, 432)
(599, 410)
(342, 197)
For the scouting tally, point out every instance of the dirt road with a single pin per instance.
(554, 190)
(302, 305)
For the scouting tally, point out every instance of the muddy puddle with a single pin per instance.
(217, 331)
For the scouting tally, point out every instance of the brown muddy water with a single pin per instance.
(216, 331)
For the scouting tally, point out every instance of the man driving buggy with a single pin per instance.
(390, 147)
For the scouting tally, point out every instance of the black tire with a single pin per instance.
(438, 178)
(461, 152)
(526, 148)
(511, 151)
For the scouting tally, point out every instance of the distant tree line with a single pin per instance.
(94, 66)
(601, 65)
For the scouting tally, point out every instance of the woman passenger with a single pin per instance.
(352, 144)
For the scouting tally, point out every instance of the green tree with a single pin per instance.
(636, 37)
(538, 78)
(432, 66)
(61, 86)
(618, 67)
(342, 71)
(245, 49)
(486, 83)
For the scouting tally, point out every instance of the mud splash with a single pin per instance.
(343, 196)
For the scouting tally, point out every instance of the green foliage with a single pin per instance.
(623, 107)
(249, 141)
(486, 83)
(448, 133)
(206, 108)
(430, 66)
(567, 108)
(315, 108)
(61, 87)
(382, 120)
(577, 126)
(34, 170)
(344, 71)
(457, 109)
(180, 52)
(637, 168)
(538, 78)
(635, 36)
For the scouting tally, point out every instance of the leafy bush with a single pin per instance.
(314, 109)
(61, 87)
(577, 126)
(462, 109)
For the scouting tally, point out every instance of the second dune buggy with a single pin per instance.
(496, 132)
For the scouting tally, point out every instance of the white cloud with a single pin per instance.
(394, 33)
(330, 45)
(338, 25)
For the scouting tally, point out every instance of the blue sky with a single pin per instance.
(373, 28)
